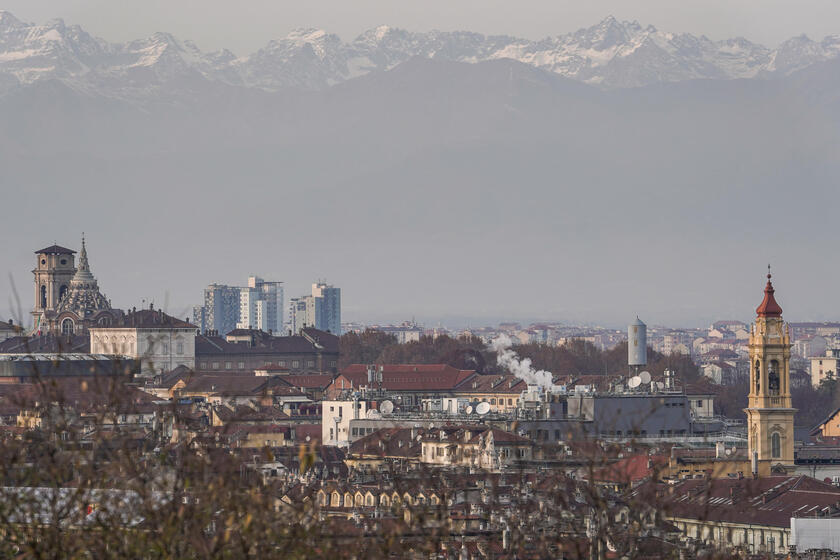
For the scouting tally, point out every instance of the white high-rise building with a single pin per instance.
(261, 305)
(321, 310)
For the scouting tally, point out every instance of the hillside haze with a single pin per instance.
(588, 177)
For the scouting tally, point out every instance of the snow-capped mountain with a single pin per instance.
(611, 54)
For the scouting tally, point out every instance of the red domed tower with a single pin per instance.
(770, 412)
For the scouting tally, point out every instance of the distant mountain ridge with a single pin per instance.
(611, 54)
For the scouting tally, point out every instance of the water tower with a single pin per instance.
(637, 345)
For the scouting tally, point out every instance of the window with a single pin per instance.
(215, 365)
(282, 363)
(241, 365)
(43, 294)
(492, 401)
(164, 348)
(700, 404)
(67, 326)
(310, 363)
(180, 348)
(776, 445)
(773, 377)
(296, 363)
(228, 365)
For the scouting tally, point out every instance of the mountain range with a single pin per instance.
(611, 54)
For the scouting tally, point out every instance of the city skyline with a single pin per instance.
(387, 316)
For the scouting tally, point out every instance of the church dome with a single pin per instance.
(769, 307)
(83, 298)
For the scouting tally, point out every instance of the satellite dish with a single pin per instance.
(634, 382)
(387, 407)
(660, 385)
(469, 409)
(482, 408)
(728, 451)
(645, 376)
(373, 414)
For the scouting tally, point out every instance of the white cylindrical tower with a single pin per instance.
(637, 344)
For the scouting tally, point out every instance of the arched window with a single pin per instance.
(348, 500)
(384, 500)
(61, 291)
(322, 498)
(336, 499)
(67, 326)
(369, 499)
(773, 377)
(776, 445)
(360, 500)
(43, 296)
(757, 376)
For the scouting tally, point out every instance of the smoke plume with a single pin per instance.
(521, 368)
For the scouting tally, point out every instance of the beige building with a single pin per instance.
(474, 446)
(824, 367)
(160, 341)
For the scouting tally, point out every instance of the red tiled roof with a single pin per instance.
(407, 377)
(308, 381)
(630, 469)
(149, 319)
(55, 250)
(768, 306)
(769, 501)
(493, 384)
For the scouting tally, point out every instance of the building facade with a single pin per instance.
(320, 310)
(161, 342)
(261, 306)
(220, 311)
(825, 367)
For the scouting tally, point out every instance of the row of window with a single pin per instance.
(348, 500)
(295, 364)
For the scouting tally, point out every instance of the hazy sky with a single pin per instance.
(246, 26)
(518, 197)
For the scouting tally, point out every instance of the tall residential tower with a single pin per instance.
(321, 309)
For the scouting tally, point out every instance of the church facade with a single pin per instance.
(67, 297)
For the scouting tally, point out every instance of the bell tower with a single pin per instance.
(770, 412)
(54, 269)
